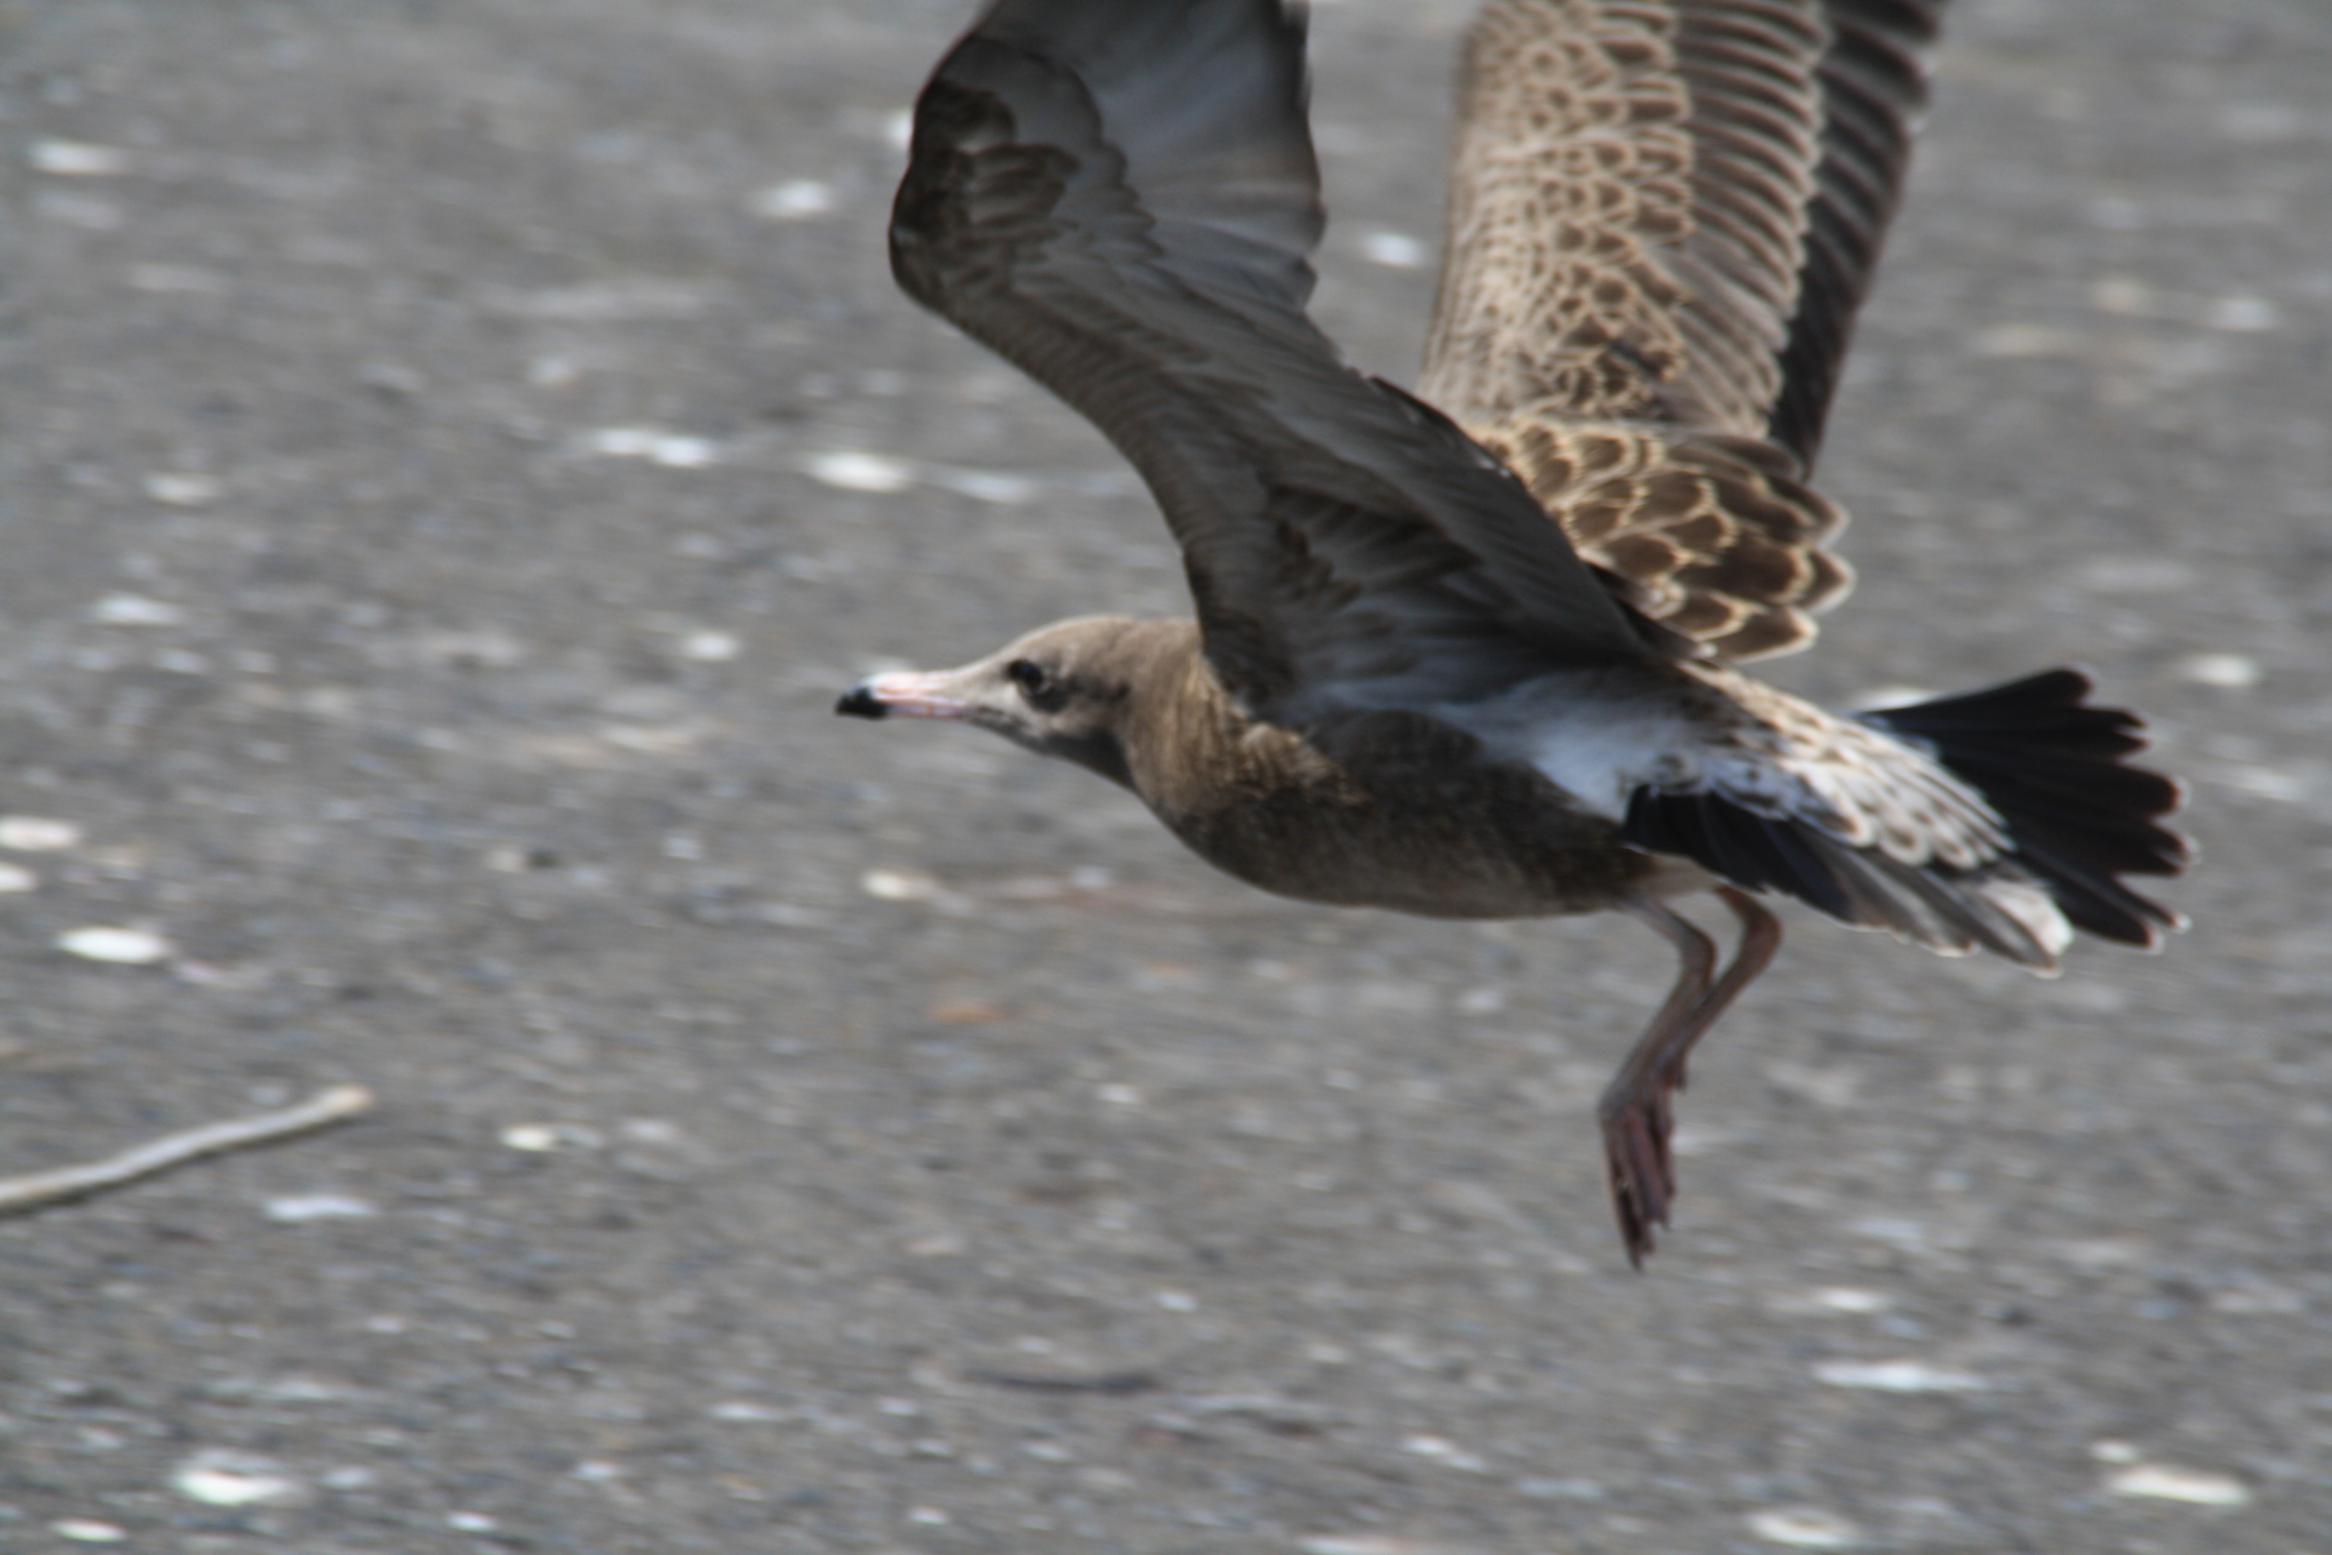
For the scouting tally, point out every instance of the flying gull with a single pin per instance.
(1475, 652)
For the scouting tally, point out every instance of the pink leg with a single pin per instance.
(1637, 1109)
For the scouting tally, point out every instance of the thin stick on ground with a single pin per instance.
(40, 1189)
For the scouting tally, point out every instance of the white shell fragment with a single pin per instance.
(671, 450)
(221, 1478)
(77, 159)
(2225, 671)
(710, 647)
(797, 199)
(1898, 1377)
(849, 469)
(1393, 250)
(542, 1138)
(181, 490)
(88, 1530)
(2167, 1482)
(135, 610)
(297, 1208)
(37, 834)
(122, 947)
(1804, 1528)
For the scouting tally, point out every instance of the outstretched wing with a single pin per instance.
(1662, 219)
(1120, 196)
(1670, 212)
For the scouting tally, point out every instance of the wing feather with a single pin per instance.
(1120, 196)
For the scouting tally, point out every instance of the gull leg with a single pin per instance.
(1637, 1109)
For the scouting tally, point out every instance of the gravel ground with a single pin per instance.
(452, 453)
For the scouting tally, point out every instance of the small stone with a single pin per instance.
(797, 199)
(849, 469)
(1440, 1449)
(181, 490)
(37, 834)
(1118, 1095)
(1393, 250)
(672, 450)
(88, 1530)
(743, 1410)
(472, 1522)
(15, 880)
(1804, 1528)
(135, 610)
(1898, 1377)
(122, 947)
(2167, 1482)
(221, 1478)
(897, 885)
(298, 1208)
(710, 647)
(541, 1138)
(1851, 1298)
(928, 1517)
(2225, 671)
(1176, 1301)
(2110, 1451)
(77, 159)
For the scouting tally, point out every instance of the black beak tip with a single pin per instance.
(859, 702)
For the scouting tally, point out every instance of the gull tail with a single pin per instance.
(2055, 769)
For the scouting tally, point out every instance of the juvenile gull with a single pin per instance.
(1476, 658)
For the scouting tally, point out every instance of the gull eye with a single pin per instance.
(1037, 684)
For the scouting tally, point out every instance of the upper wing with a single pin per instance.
(1669, 210)
(1119, 196)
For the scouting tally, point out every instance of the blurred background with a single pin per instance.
(451, 455)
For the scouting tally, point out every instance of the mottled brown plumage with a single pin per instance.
(1662, 218)
(1492, 673)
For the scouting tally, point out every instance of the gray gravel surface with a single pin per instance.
(427, 572)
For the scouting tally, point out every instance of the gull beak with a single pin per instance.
(909, 694)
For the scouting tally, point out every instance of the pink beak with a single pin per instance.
(908, 693)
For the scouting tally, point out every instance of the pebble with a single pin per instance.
(472, 1522)
(15, 879)
(88, 1530)
(122, 947)
(297, 1208)
(222, 1478)
(797, 199)
(540, 1138)
(1898, 1377)
(898, 885)
(928, 1517)
(37, 834)
(1440, 1449)
(135, 610)
(2167, 1482)
(1176, 1301)
(1850, 1298)
(77, 159)
(671, 450)
(1393, 250)
(849, 469)
(710, 647)
(177, 490)
(1804, 1528)
(2225, 671)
